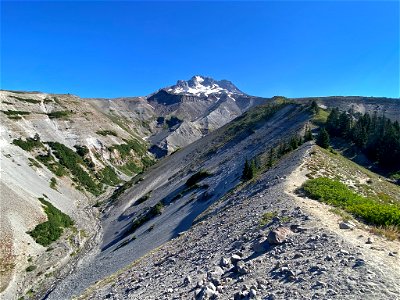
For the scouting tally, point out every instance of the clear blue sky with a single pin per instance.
(111, 49)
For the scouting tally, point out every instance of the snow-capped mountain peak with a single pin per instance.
(203, 86)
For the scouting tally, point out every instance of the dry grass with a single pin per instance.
(390, 232)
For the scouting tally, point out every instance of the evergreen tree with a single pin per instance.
(248, 171)
(314, 107)
(344, 125)
(308, 135)
(271, 158)
(323, 138)
(333, 121)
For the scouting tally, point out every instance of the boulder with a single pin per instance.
(278, 235)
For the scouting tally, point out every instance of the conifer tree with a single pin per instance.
(323, 139)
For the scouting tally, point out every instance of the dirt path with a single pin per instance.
(382, 254)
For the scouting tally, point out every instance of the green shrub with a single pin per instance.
(143, 198)
(72, 161)
(195, 178)
(15, 112)
(51, 230)
(125, 149)
(34, 162)
(106, 132)
(108, 176)
(59, 114)
(151, 213)
(53, 183)
(267, 217)
(29, 144)
(337, 194)
(30, 268)
(25, 100)
(82, 151)
(54, 166)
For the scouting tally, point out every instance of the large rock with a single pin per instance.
(278, 235)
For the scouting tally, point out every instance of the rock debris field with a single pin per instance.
(230, 254)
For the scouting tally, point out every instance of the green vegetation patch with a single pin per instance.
(30, 268)
(143, 198)
(199, 176)
(53, 165)
(15, 113)
(338, 194)
(108, 176)
(267, 217)
(107, 132)
(73, 162)
(29, 144)
(34, 162)
(61, 114)
(125, 149)
(151, 213)
(320, 117)
(51, 230)
(25, 100)
(53, 183)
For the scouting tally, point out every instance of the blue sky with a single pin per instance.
(111, 49)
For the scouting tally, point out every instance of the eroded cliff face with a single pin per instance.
(38, 132)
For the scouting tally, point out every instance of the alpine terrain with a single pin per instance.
(199, 191)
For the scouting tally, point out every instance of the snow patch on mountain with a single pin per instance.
(203, 86)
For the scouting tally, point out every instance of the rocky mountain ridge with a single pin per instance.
(113, 141)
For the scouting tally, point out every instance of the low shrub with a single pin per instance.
(197, 177)
(25, 100)
(151, 213)
(125, 149)
(30, 268)
(108, 176)
(51, 230)
(53, 183)
(59, 114)
(53, 165)
(337, 194)
(15, 112)
(73, 162)
(29, 144)
(106, 132)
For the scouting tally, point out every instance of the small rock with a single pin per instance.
(241, 267)
(329, 258)
(346, 225)
(224, 262)
(170, 290)
(298, 255)
(235, 258)
(206, 293)
(359, 262)
(187, 280)
(211, 286)
(253, 293)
